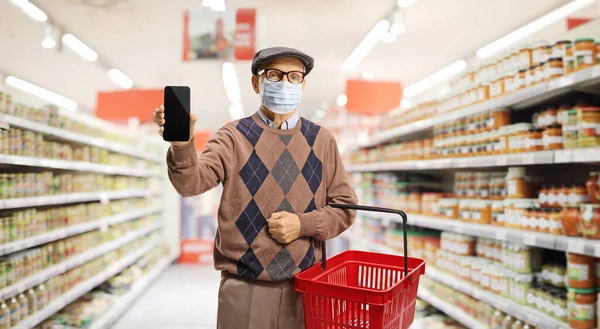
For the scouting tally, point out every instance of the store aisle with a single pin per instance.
(184, 297)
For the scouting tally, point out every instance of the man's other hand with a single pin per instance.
(284, 227)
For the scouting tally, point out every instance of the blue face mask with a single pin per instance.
(280, 97)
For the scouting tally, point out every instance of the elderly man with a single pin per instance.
(279, 172)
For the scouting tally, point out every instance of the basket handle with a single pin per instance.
(374, 209)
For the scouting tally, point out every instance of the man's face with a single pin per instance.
(285, 64)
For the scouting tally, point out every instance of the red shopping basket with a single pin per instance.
(361, 289)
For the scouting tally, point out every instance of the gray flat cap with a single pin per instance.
(268, 54)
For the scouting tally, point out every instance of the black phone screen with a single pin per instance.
(177, 114)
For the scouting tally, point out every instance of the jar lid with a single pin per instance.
(563, 42)
(555, 59)
(590, 109)
(583, 291)
(584, 40)
(554, 126)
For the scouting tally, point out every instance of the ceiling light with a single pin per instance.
(436, 78)
(31, 10)
(236, 111)
(216, 5)
(405, 103)
(342, 100)
(49, 38)
(367, 75)
(531, 28)
(120, 78)
(398, 28)
(406, 3)
(79, 47)
(366, 45)
(231, 83)
(389, 37)
(41, 93)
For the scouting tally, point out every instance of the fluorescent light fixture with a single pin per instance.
(398, 28)
(120, 78)
(531, 28)
(367, 75)
(366, 45)
(79, 47)
(216, 5)
(49, 38)
(231, 83)
(342, 100)
(389, 37)
(40, 92)
(436, 78)
(406, 3)
(405, 103)
(236, 111)
(31, 10)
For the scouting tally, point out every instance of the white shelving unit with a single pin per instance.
(536, 239)
(82, 288)
(146, 166)
(62, 233)
(519, 99)
(522, 312)
(125, 301)
(73, 262)
(17, 160)
(581, 155)
(50, 200)
(450, 310)
(69, 136)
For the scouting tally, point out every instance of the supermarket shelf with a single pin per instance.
(581, 155)
(58, 199)
(124, 303)
(524, 313)
(18, 160)
(82, 288)
(76, 137)
(536, 239)
(519, 99)
(62, 233)
(74, 262)
(450, 310)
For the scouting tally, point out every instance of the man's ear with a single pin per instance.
(255, 83)
(303, 83)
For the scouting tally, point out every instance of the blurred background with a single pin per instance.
(479, 118)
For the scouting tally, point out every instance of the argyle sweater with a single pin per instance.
(265, 170)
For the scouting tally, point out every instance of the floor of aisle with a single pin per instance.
(184, 297)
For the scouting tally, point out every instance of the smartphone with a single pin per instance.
(177, 114)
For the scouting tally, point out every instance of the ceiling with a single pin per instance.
(143, 38)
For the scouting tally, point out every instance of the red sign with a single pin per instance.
(196, 252)
(372, 97)
(245, 34)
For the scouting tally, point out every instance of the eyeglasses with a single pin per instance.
(275, 75)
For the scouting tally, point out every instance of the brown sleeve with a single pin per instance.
(191, 174)
(327, 223)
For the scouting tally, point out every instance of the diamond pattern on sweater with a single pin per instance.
(251, 222)
(285, 206)
(285, 171)
(254, 173)
(310, 131)
(309, 258)
(311, 206)
(249, 128)
(286, 139)
(282, 266)
(313, 171)
(249, 266)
